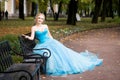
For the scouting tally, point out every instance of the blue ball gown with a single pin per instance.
(64, 60)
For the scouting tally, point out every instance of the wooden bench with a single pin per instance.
(16, 71)
(27, 49)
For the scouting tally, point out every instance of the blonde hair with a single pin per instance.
(39, 15)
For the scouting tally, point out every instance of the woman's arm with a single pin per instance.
(32, 34)
(49, 34)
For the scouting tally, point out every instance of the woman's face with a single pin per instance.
(40, 19)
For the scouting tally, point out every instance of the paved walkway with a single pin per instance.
(105, 42)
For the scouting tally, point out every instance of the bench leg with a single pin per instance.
(38, 75)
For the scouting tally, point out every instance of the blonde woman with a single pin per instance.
(63, 60)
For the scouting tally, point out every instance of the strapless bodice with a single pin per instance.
(42, 36)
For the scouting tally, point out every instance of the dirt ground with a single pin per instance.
(106, 43)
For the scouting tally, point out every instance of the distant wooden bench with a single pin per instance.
(27, 49)
(16, 71)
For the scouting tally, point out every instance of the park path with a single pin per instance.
(105, 42)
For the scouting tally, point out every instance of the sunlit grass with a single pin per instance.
(18, 26)
(16, 23)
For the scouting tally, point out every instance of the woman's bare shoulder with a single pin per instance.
(44, 24)
(33, 27)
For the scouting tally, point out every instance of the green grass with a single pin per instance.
(18, 26)
(16, 23)
(57, 28)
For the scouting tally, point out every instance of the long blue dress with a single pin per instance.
(64, 60)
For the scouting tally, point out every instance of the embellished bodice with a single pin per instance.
(42, 36)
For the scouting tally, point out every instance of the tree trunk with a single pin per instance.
(111, 9)
(59, 10)
(119, 8)
(104, 8)
(96, 11)
(34, 9)
(0, 16)
(72, 10)
(21, 9)
(52, 8)
(0, 12)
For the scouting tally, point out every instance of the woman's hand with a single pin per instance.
(25, 36)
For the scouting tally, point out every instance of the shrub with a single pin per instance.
(13, 41)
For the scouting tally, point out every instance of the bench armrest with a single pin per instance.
(47, 52)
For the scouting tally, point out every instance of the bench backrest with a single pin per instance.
(26, 44)
(5, 56)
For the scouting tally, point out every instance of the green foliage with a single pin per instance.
(117, 20)
(115, 4)
(36, 1)
(86, 1)
(58, 1)
(15, 46)
(42, 5)
(13, 39)
(85, 4)
(17, 59)
(9, 37)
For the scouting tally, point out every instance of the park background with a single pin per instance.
(60, 17)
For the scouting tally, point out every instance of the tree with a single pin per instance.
(43, 4)
(21, 9)
(56, 15)
(104, 9)
(1, 7)
(119, 8)
(34, 9)
(39, 6)
(60, 4)
(0, 12)
(72, 10)
(96, 11)
(111, 8)
(116, 7)
(86, 6)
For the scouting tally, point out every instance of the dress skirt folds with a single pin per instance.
(64, 60)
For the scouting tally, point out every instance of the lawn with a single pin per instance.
(17, 26)
(10, 29)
